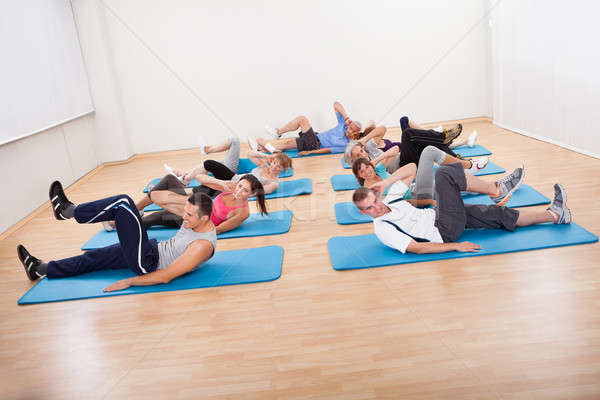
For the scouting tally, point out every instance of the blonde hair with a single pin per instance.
(284, 160)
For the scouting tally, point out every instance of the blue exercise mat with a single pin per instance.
(276, 223)
(349, 182)
(366, 251)
(291, 188)
(233, 267)
(244, 167)
(347, 213)
(294, 154)
(463, 151)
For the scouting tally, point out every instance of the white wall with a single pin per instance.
(162, 73)
(545, 71)
(261, 62)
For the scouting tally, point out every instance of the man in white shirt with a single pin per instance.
(404, 227)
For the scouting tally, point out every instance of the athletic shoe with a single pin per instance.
(451, 134)
(169, 170)
(202, 145)
(439, 129)
(472, 138)
(508, 185)
(252, 143)
(271, 148)
(58, 199)
(477, 164)
(272, 132)
(558, 208)
(29, 262)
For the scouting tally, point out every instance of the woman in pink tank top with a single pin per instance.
(230, 208)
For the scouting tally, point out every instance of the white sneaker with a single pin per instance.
(439, 129)
(272, 131)
(271, 148)
(478, 165)
(169, 170)
(252, 143)
(202, 144)
(107, 227)
(472, 138)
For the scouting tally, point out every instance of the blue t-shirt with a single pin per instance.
(335, 138)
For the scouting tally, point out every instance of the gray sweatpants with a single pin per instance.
(232, 158)
(429, 157)
(452, 216)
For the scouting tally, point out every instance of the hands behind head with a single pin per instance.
(229, 186)
(378, 188)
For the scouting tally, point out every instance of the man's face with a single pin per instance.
(190, 216)
(352, 130)
(242, 190)
(372, 206)
(359, 151)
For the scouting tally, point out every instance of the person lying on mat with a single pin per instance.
(153, 262)
(230, 207)
(414, 140)
(310, 142)
(368, 173)
(268, 168)
(403, 227)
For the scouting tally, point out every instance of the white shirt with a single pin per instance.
(404, 222)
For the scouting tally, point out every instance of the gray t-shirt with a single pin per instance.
(169, 250)
(372, 150)
(257, 173)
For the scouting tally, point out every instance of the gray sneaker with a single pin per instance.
(558, 208)
(508, 185)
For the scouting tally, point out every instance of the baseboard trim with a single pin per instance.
(547, 140)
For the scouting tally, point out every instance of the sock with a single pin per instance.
(69, 211)
(42, 268)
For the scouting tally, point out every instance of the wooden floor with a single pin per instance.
(512, 326)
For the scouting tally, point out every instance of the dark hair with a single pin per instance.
(360, 194)
(356, 168)
(203, 202)
(259, 191)
(368, 130)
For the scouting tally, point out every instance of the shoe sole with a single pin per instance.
(50, 192)
(510, 193)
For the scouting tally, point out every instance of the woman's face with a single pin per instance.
(366, 172)
(359, 152)
(275, 166)
(242, 190)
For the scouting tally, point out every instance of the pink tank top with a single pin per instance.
(220, 210)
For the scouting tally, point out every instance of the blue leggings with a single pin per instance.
(134, 250)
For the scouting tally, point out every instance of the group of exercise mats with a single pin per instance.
(264, 264)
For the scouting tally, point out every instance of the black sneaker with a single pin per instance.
(30, 263)
(58, 199)
(451, 134)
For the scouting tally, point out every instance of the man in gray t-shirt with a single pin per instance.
(152, 262)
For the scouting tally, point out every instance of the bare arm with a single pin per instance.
(406, 173)
(428, 247)
(337, 107)
(259, 158)
(376, 134)
(271, 187)
(385, 156)
(197, 252)
(317, 151)
(234, 219)
(213, 183)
